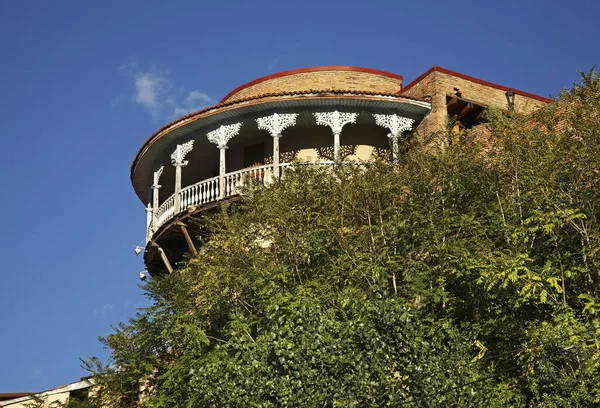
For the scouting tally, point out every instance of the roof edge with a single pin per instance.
(313, 69)
(85, 382)
(437, 68)
(12, 395)
(194, 115)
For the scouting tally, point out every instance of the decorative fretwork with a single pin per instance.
(285, 157)
(157, 175)
(277, 123)
(328, 153)
(380, 153)
(335, 120)
(395, 124)
(178, 156)
(223, 134)
(289, 157)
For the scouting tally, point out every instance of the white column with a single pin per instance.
(149, 217)
(336, 121)
(222, 170)
(155, 191)
(178, 160)
(276, 154)
(396, 125)
(275, 124)
(221, 137)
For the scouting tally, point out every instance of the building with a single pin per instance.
(319, 115)
(55, 397)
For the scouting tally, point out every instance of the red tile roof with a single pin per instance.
(4, 396)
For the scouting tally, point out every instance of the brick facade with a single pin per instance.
(338, 78)
(437, 83)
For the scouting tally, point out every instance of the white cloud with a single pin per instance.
(153, 90)
(149, 87)
(104, 310)
(195, 100)
(197, 96)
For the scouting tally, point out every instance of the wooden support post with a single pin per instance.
(163, 257)
(188, 239)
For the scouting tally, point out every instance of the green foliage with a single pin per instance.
(461, 276)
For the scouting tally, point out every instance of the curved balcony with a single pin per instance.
(208, 191)
(318, 116)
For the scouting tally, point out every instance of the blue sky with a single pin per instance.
(83, 84)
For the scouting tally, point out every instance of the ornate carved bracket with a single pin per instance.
(156, 179)
(395, 124)
(277, 123)
(335, 120)
(178, 156)
(223, 134)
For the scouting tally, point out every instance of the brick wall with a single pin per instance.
(437, 85)
(319, 80)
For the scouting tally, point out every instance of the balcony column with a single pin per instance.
(222, 170)
(178, 160)
(155, 191)
(149, 217)
(221, 137)
(336, 121)
(396, 125)
(275, 124)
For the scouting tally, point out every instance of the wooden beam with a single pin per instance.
(452, 101)
(164, 257)
(468, 108)
(481, 114)
(188, 239)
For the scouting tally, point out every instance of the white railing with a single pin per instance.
(165, 212)
(208, 191)
(200, 193)
(237, 179)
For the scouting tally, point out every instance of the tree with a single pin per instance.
(460, 276)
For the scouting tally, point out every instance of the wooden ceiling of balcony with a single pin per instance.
(466, 113)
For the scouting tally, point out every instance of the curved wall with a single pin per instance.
(320, 78)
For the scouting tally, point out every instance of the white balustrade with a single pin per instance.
(238, 179)
(207, 191)
(165, 212)
(200, 193)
